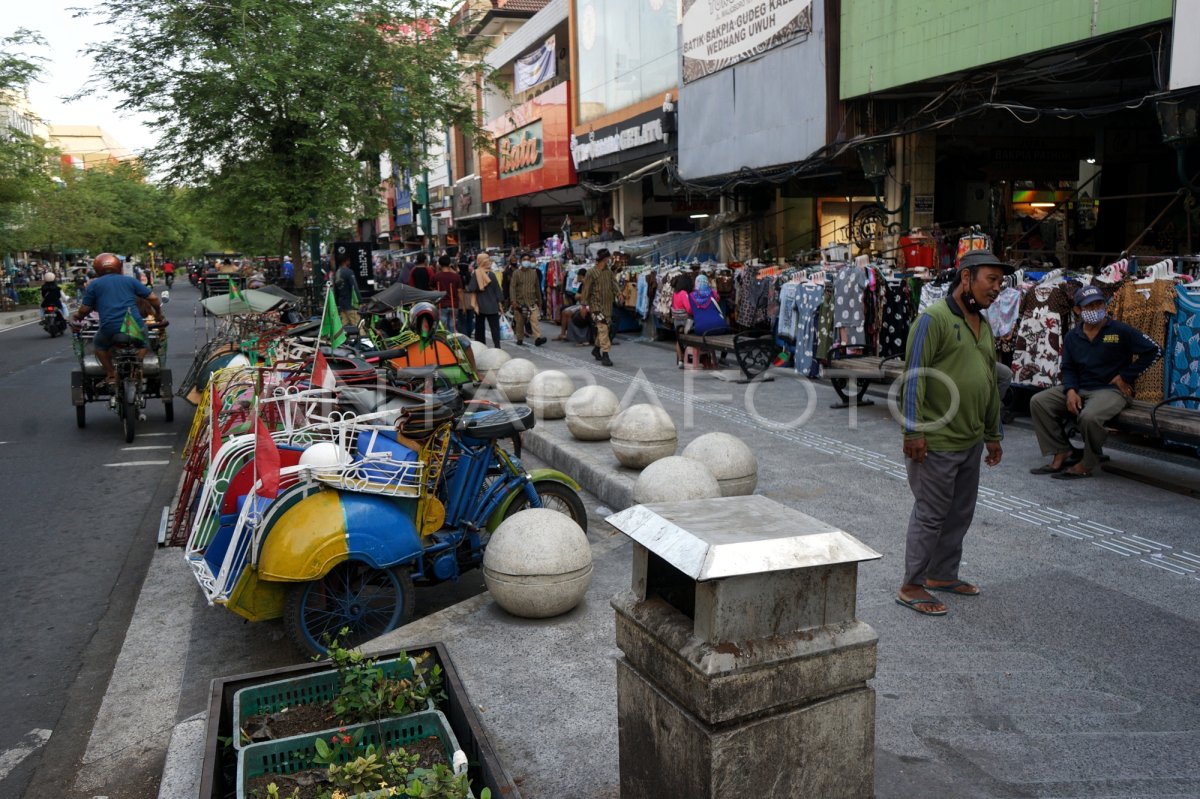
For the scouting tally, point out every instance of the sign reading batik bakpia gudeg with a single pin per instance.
(720, 33)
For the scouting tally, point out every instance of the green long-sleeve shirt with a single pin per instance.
(949, 393)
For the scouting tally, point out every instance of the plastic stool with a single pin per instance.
(697, 359)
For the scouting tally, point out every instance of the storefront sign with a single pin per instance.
(468, 199)
(520, 150)
(536, 67)
(923, 204)
(404, 212)
(358, 253)
(531, 151)
(720, 33)
(604, 147)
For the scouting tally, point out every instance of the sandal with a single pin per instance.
(1069, 475)
(1048, 469)
(956, 587)
(915, 604)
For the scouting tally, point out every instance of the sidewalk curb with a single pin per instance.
(185, 758)
(18, 318)
(590, 463)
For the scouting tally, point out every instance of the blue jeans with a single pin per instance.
(447, 316)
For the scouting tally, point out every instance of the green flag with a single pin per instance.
(234, 291)
(355, 300)
(331, 323)
(130, 327)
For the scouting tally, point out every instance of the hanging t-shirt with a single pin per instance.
(1148, 313)
(808, 302)
(848, 312)
(931, 293)
(898, 310)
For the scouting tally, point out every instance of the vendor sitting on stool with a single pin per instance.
(1101, 359)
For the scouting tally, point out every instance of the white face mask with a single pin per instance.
(1094, 316)
(526, 264)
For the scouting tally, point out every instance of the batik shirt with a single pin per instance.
(808, 302)
(1183, 347)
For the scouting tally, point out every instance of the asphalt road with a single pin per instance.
(94, 687)
(77, 536)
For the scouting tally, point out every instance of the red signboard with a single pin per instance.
(532, 148)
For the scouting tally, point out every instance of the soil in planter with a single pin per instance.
(312, 782)
(294, 720)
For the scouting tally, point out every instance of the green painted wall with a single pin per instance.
(888, 43)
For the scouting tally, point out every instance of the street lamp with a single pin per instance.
(591, 206)
(873, 155)
(1178, 119)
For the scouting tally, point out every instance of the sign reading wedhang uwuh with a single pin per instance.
(720, 33)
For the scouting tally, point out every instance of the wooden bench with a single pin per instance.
(754, 350)
(1160, 420)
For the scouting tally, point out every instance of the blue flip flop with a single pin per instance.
(916, 603)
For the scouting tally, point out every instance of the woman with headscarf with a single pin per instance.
(707, 318)
(486, 297)
(681, 311)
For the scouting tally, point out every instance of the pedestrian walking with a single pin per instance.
(447, 281)
(951, 414)
(1101, 360)
(485, 299)
(345, 291)
(526, 294)
(598, 295)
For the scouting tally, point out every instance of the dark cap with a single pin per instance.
(1087, 295)
(978, 258)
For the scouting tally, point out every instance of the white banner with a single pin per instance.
(534, 68)
(720, 33)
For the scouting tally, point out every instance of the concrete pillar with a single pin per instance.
(916, 165)
(744, 671)
(627, 209)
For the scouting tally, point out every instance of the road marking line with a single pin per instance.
(154, 435)
(138, 463)
(139, 449)
(33, 741)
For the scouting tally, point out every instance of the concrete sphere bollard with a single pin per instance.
(538, 564)
(729, 460)
(548, 393)
(512, 378)
(675, 479)
(488, 363)
(478, 348)
(589, 410)
(642, 434)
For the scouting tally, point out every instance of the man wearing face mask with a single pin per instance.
(1101, 359)
(526, 295)
(951, 414)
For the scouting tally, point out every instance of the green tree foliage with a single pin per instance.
(110, 207)
(280, 106)
(23, 160)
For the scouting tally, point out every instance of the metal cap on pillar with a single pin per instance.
(743, 659)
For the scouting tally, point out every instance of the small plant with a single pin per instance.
(367, 695)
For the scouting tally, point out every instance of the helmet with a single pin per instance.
(50, 277)
(422, 310)
(106, 264)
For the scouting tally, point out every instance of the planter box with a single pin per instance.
(309, 690)
(218, 776)
(289, 755)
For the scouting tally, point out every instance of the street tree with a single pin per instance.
(23, 159)
(283, 106)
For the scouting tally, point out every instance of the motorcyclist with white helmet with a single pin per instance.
(52, 293)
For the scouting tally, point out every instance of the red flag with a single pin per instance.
(322, 375)
(266, 459)
(214, 421)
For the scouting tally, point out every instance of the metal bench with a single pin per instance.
(1159, 420)
(754, 350)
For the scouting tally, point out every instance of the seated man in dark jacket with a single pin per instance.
(1101, 359)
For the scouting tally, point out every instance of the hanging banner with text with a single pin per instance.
(535, 68)
(720, 33)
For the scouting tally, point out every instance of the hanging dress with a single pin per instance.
(1149, 315)
(1182, 355)
(1037, 349)
(809, 299)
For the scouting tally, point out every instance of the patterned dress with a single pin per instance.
(849, 313)
(898, 312)
(808, 302)
(1038, 346)
(1182, 355)
(1149, 315)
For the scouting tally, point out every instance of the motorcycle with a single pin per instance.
(53, 321)
(360, 516)
(137, 379)
(194, 276)
(169, 278)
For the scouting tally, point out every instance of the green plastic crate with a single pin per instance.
(322, 687)
(289, 755)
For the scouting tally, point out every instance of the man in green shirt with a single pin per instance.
(598, 295)
(951, 413)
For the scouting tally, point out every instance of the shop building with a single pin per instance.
(1046, 135)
